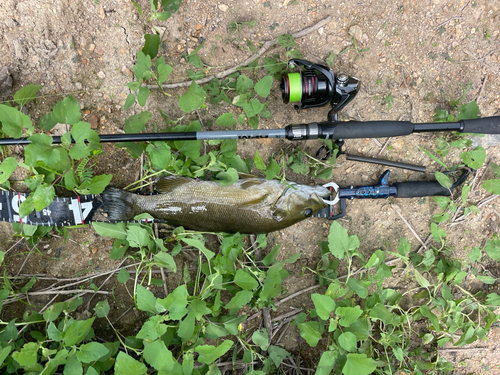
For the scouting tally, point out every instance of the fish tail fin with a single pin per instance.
(119, 204)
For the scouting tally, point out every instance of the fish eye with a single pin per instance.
(308, 212)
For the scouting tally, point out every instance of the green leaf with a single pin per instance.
(137, 123)
(73, 366)
(209, 353)
(277, 354)
(359, 287)
(227, 178)
(245, 280)
(166, 260)
(243, 84)
(200, 245)
(422, 281)
(339, 242)
(153, 328)
(27, 356)
(158, 356)
(486, 279)
(358, 364)
(86, 140)
(141, 69)
(272, 284)
(437, 160)
(186, 327)
(493, 186)
(8, 166)
(146, 300)
(324, 305)
(475, 158)
(325, 174)
(492, 248)
(254, 122)
(273, 169)
(101, 309)
(426, 311)
(98, 183)
(347, 341)
(13, 121)
(263, 87)
(437, 233)
(26, 94)
(259, 163)
(77, 331)
(142, 95)
(164, 70)
(113, 230)
(47, 122)
(193, 99)
(91, 352)
(309, 331)
(4, 352)
(261, 339)
(443, 179)
(239, 300)
(468, 111)
(253, 107)
(67, 111)
(151, 44)
(123, 276)
(175, 303)
(326, 362)
(199, 308)
(160, 154)
(53, 311)
(126, 365)
(493, 299)
(227, 119)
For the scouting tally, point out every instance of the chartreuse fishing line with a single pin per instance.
(313, 86)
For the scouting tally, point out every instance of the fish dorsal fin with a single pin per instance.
(169, 183)
(251, 182)
(244, 176)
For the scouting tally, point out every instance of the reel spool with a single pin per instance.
(317, 86)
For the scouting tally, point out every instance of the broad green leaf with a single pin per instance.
(97, 184)
(13, 121)
(435, 158)
(468, 111)
(193, 99)
(245, 280)
(200, 245)
(493, 299)
(129, 102)
(145, 299)
(359, 287)
(426, 311)
(137, 123)
(142, 95)
(493, 186)
(186, 327)
(358, 364)
(152, 328)
(67, 111)
(151, 44)
(228, 177)
(199, 308)
(309, 331)
(263, 87)
(486, 279)
(240, 100)
(347, 341)
(259, 163)
(239, 300)
(27, 356)
(141, 68)
(73, 366)
(102, 308)
(43, 196)
(53, 311)
(126, 365)
(175, 303)
(163, 69)
(26, 94)
(277, 354)
(243, 84)
(158, 356)
(272, 285)
(4, 352)
(325, 174)
(492, 248)
(422, 281)
(326, 363)
(123, 276)
(138, 236)
(227, 119)
(77, 331)
(91, 352)
(474, 158)
(113, 230)
(348, 315)
(273, 169)
(253, 107)
(209, 353)
(360, 328)
(165, 260)
(160, 154)
(443, 179)
(324, 305)
(339, 242)
(187, 363)
(261, 338)
(8, 166)
(86, 140)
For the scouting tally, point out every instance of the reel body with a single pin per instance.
(317, 86)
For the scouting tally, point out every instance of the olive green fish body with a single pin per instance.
(248, 206)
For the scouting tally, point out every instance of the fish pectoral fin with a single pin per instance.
(255, 203)
(169, 183)
(279, 215)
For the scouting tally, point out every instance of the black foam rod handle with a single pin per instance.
(413, 189)
(486, 125)
(370, 129)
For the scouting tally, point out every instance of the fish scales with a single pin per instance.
(247, 206)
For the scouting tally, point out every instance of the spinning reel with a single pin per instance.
(317, 86)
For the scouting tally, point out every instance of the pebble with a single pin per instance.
(78, 85)
(93, 121)
(101, 75)
(92, 47)
(321, 30)
(356, 32)
(223, 7)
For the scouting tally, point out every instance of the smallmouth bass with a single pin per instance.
(251, 205)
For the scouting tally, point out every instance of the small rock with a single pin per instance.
(93, 121)
(101, 75)
(198, 27)
(78, 85)
(380, 34)
(102, 120)
(94, 250)
(127, 71)
(321, 30)
(356, 32)
(99, 51)
(92, 47)
(223, 7)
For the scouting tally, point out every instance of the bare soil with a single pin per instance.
(420, 52)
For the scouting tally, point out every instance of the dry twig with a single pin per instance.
(395, 208)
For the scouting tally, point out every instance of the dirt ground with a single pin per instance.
(420, 52)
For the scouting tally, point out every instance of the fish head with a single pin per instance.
(299, 202)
